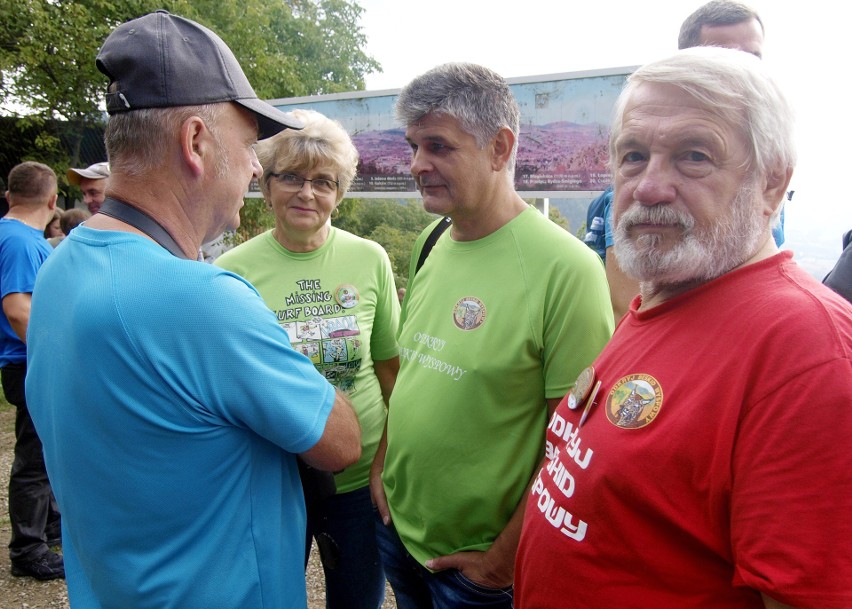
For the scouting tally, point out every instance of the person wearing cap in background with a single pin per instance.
(92, 182)
(175, 458)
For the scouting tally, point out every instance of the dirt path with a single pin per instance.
(27, 593)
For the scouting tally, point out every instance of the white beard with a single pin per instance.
(701, 254)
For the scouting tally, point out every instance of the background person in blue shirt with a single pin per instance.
(32, 510)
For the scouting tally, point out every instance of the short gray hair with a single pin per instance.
(733, 85)
(138, 141)
(713, 14)
(478, 98)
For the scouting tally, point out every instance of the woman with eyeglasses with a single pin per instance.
(334, 293)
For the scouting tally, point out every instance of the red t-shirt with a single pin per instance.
(713, 465)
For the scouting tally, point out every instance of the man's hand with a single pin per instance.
(478, 567)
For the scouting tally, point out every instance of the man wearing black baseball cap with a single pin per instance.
(174, 459)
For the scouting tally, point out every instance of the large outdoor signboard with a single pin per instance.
(562, 152)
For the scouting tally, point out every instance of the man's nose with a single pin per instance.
(257, 168)
(419, 163)
(656, 184)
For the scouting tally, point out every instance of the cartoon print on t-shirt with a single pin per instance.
(318, 328)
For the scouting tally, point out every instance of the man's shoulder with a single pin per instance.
(540, 237)
(246, 251)
(17, 239)
(17, 232)
(779, 299)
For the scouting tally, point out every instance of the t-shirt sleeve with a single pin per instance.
(792, 538)
(577, 320)
(18, 268)
(245, 373)
(383, 343)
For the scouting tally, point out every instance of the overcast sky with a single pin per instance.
(805, 45)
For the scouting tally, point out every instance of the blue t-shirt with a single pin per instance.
(23, 250)
(170, 428)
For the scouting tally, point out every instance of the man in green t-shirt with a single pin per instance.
(505, 313)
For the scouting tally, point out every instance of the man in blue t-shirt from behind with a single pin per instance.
(32, 510)
(174, 461)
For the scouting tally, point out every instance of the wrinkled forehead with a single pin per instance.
(662, 99)
(669, 117)
(436, 122)
(665, 99)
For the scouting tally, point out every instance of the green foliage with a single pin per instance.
(292, 48)
(287, 48)
(255, 218)
(393, 224)
(557, 218)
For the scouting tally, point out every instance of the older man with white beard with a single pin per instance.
(698, 462)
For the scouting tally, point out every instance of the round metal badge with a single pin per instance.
(581, 388)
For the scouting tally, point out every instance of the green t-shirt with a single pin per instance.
(339, 307)
(490, 329)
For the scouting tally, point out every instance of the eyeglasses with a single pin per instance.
(293, 183)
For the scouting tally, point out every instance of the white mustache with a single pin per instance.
(657, 214)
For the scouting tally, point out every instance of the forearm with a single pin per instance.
(340, 444)
(501, 554)
(16, 307)
(500, 557)
(377, 489)
(386, 371)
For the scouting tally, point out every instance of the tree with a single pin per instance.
(557, 218)
(393, 224)
(47, 67)
(48, 47)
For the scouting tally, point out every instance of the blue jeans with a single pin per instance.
(415, 587)
(342, 526)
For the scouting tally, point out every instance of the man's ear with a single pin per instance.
(196, 143)
(52, 203)
(774, 189)
(502, 146)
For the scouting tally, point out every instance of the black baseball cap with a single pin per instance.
(162, 60)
